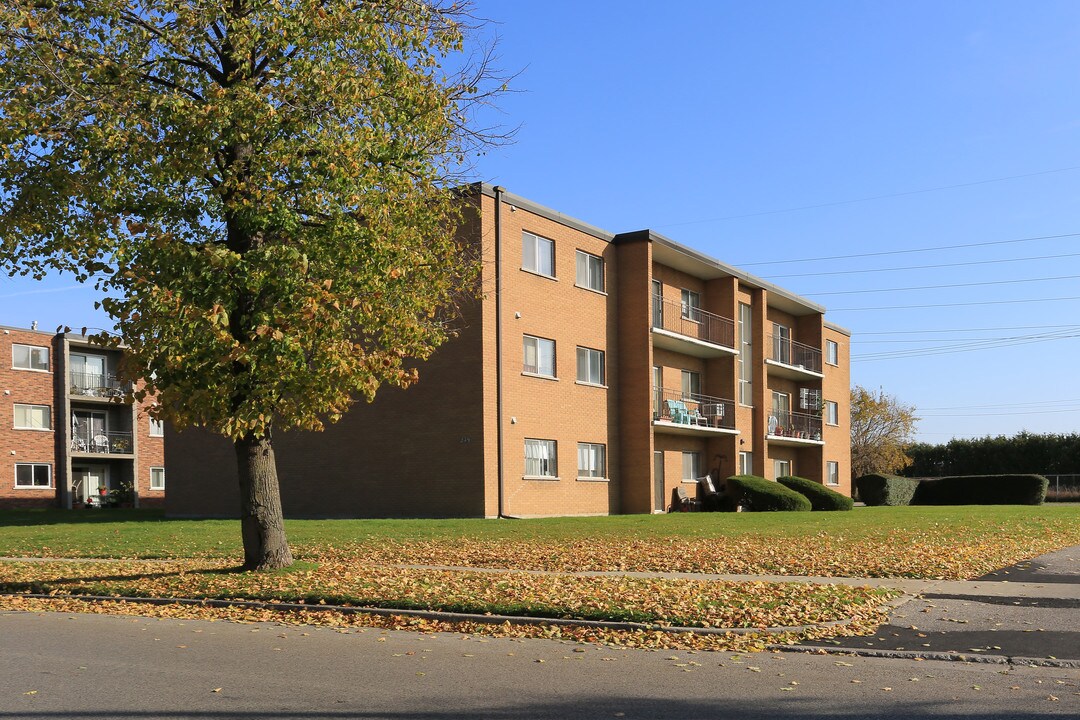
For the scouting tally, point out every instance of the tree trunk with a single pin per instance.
(261, 523)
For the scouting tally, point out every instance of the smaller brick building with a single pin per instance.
(66, 436)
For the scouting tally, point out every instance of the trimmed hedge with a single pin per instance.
(820, 497)
(766, 495)
(982, 490)
(875, 489)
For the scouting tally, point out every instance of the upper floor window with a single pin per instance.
(157, 428)
(33, 475)
(590, 366)
(30, 357)
(746, 355)
(832, 472)
(832, 352)
(539, 356)
(691, 384)
(590, 271)
(781, 343)
(33, 417)
(691, 305)
(537, 254)
(832, 413)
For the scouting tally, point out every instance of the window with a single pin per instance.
(691, 384)
(782, 468)
(832, 473)
(832, 413)
(590, 366)
(691, 466)
(33, 475)
(781, 403)
(691, 305)
(746, 356)
(746, 463)
(539, 356)
(157, 428)
(781, 343)
(540, 458)
(30, 357)
(590, 271)
(33, 417)
(157, 478)
(832, 352)
(658, 390)
(537, 254)
(810, 399)
(591, 460)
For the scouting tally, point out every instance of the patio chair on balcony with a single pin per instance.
(677, 411)
(100, 443)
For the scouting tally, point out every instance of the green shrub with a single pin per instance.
(820, 497)
(764, 494)
(982, 490)
(875, 489)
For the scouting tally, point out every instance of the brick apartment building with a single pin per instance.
(599, 372)
(65, 436)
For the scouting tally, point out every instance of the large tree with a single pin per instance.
(881, 430)
(260, 188)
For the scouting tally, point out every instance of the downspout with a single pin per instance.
(498, 351)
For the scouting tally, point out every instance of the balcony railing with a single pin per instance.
(98, 385)
(789, 352)
(692, 322)
(115, 442)
(796, 425)
(692, 409)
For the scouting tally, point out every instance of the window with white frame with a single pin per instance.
(590, 366)
(691, 305)
(590, 271)
(157, 478)
(539, 356)
(832, 352)
(591, 460)
(30, 357)
(746, 462)
(781, 343)
(537, 254)
(832, 472)
(781, 468)
(691, 466)
(33, 475)
(746, 355)
(832, 413)
(541, 458)
(157, 428)
(33, 417)
(691, 384)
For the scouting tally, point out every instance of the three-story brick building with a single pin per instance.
(68, 438)
(598, 372)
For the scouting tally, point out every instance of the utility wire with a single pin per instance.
(921, 267)
(943, 287)
(941, 305)
(957, 330)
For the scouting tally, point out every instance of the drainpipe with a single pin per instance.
(498, 350)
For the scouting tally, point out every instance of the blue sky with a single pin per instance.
(888, 137)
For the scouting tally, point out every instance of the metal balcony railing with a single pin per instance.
(692, 322)
(789, 352)
(111, 442)
(98, 385)
(693, 409)
(801, 426)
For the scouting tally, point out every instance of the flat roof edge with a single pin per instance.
(543, 211)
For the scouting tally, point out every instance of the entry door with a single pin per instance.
(87, 371)
(87, 481)
(659, 496)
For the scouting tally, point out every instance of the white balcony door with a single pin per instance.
(85, 427)
(86, 482)
(87, 371)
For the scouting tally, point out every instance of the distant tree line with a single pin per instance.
(1022, 453)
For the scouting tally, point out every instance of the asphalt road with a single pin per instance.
(62, 665)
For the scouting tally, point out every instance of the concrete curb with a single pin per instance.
(919, 655)
(436, 615)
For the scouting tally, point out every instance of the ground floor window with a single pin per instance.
(832, 473)
(781, 468)
(746, 463)
(157, 478)
(33, 475)
(691, 466)
(540, 458)
(591, 460)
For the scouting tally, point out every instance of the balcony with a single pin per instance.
(793, 360)
(112, 442)
(794, 428)
(681, 413)
(690, 330)
(97, 385)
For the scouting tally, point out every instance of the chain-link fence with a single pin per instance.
(1063, 488)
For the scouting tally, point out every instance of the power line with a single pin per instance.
(913, 250)
(997, 405)
(921, 267)
(957, 330)
(971, 346)
(941, 305)
(943, 287)
(998, 414)
(870, 198)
